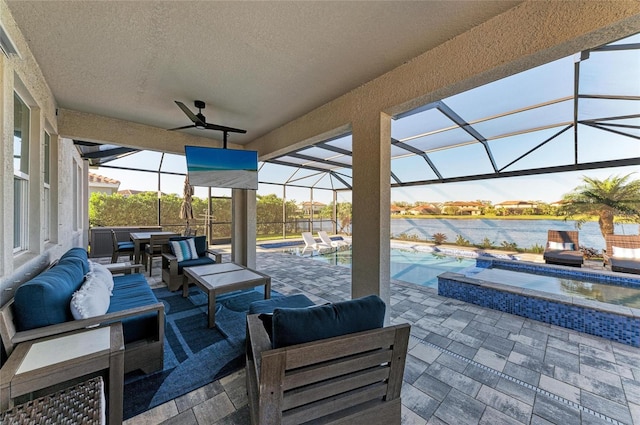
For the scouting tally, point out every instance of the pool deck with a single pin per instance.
(466, 364)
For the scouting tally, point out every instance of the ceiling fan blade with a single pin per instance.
(190, 114)
(181, 128)
(223, 128)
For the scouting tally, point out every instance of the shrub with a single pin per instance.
(537, 249)
(509, 246)
(439, 238)
(462, 241)
(486, 243)
(407, 237)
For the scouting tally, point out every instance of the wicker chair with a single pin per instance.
(614, 260)
(563, 248)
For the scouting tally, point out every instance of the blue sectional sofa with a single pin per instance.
(41, 307)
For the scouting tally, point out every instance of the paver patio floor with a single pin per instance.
(466, 364)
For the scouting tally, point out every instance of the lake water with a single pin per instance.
(525, 233)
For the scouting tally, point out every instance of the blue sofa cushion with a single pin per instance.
(80, 254)
(264, 308)
(45, 299)
(289, 301)
(299, 325)
(202, 261)
(130, 291)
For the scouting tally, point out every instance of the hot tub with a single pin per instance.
(602, 303)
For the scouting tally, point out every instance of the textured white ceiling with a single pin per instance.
(257, 65)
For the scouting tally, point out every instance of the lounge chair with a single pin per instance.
(324, 237)
(563, 248)
(324, 364)
(310, 242)
(623, 253)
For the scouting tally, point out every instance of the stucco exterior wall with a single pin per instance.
(21, 73)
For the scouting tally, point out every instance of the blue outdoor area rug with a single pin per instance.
(194, 355)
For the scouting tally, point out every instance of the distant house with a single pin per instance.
(425, 209)
(464, 207)
(397, 210)
(308, 206)
(516, 206)
(128, 192)
(102, 184)
(558, 204)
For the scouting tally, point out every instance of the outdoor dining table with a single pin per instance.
(139, 239)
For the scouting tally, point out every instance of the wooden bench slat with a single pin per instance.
(338, 367)
(343, 401)
(345, 345)
(335, 386)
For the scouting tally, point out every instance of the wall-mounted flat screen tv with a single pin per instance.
(227, 168)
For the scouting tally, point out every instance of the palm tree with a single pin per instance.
(608, 198)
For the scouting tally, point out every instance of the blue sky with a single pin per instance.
(546, 188)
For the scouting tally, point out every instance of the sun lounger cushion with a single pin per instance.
(629, 253)
(567, 246)
(293, 326)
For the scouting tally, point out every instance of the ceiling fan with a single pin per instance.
(200, 121)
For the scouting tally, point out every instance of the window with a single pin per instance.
(76, 195)
(47, 186)
(21, 122)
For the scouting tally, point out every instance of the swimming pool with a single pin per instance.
(420, 266)
(558, 285)
(604, 303)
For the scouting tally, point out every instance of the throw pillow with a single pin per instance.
(184, 249)
(92, 299)
(299, 325)
(102, 274)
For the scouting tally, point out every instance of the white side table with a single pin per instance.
(39, 364)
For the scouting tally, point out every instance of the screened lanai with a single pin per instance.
(576, 113)
(580, 112)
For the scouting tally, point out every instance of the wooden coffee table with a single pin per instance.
(221, 278)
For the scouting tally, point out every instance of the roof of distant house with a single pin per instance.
(506, 203)
(463, 204)
(128, 192)
(97, 178)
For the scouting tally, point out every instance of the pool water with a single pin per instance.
(421, 268)
(574, 287)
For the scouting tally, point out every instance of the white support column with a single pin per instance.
(243, 238)
(371, 200)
